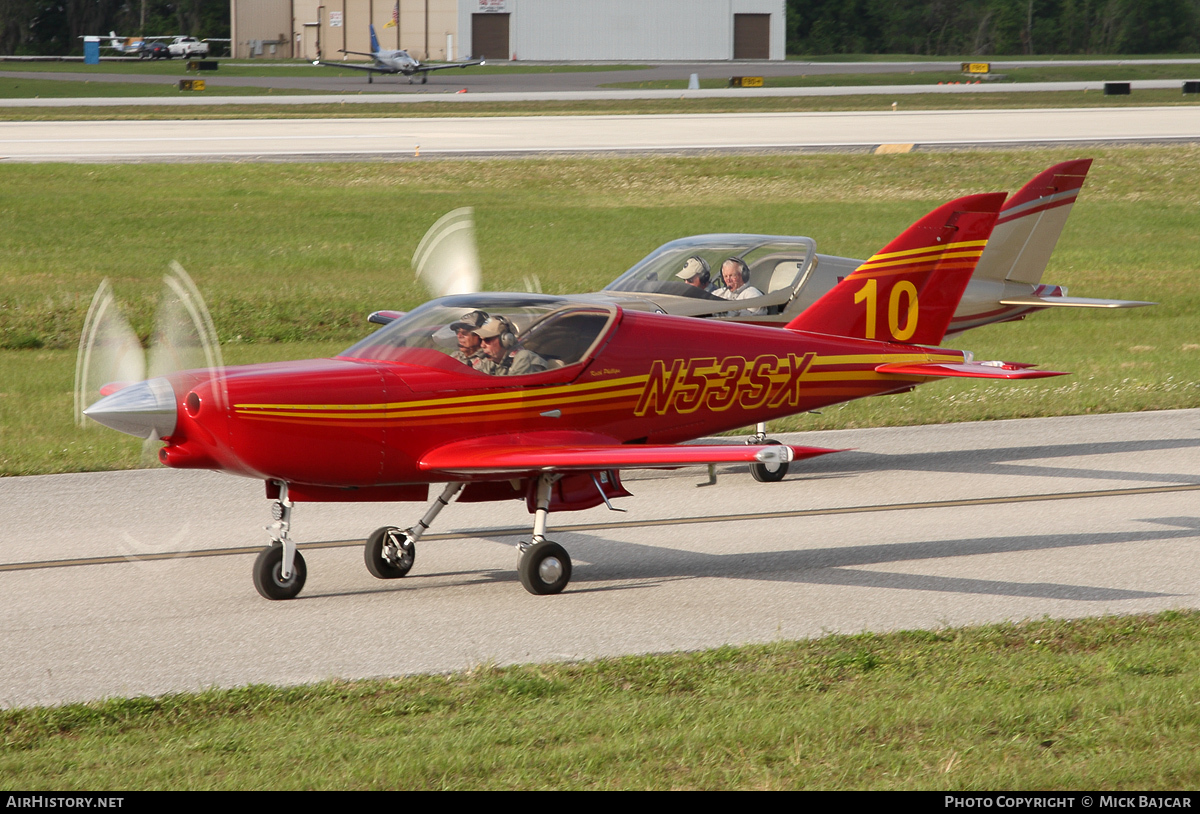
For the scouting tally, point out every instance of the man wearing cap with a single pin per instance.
(695, 272)
(501, 358)
(470, 350)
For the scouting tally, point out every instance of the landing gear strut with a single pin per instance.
(543, 566)
(770, 472)
(390, 552)
(279, 571)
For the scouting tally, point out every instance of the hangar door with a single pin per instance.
(752, 36)
(489, 36)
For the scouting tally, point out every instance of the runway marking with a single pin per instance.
(623, 524)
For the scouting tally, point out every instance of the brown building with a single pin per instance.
(533, 30)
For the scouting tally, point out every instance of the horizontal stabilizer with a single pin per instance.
(548, 452)
(967, 370)
(1072, 302)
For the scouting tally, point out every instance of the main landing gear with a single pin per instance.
(543, 566)
(770, 472)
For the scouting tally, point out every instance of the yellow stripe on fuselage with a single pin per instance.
(561, 396)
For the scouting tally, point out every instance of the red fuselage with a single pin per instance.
(647, 378)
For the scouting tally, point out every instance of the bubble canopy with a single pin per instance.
(561, 330)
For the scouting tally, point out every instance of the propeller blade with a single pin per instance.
(446, 259)
(109, 353)
(184, 335)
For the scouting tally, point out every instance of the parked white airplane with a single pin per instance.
(393, 62)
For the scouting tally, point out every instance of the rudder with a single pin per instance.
(908, 291)
(1030, 224)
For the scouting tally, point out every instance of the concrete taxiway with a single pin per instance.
(129, 583)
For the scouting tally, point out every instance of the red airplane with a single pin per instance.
(606, 389)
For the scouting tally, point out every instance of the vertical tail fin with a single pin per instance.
(374, 40)
(1030, 224)
(908, 291)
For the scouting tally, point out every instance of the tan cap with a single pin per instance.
(493, 327)
(693, 266)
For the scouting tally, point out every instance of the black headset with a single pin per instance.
(743, 269)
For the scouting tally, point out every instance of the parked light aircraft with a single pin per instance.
(606, 388)
(394, 62)
(178, 45)
(131, 46)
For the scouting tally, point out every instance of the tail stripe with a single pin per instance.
(962, 244)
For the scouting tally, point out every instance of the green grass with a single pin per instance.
(54, 89)
(303, 252)
(1100, 705)
(1064, 73)
(171, 71)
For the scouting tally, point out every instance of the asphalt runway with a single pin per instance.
(315, 139)
(129, 583)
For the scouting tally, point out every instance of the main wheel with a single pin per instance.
(268, 569)
(545, 568)
(389, 553)
(769, 473)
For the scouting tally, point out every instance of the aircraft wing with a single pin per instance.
(427, 68)
(354, 66)
(577, 451)
(1072, 302)
(967, 370)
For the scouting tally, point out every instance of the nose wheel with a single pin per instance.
(268, 574)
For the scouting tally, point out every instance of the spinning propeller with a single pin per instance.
(447, 259)
(117, 386)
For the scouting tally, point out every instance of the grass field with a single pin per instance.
(1100, 705)
(303, 252)
(171, 72)
(1063, 73)
(293, 257)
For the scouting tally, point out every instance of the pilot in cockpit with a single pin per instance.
(695, 272)
(502, 356)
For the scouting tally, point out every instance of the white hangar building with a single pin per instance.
(533, 30)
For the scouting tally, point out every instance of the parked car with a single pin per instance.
(155, 50)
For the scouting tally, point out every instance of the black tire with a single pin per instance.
(267, 568)
(383, 567)
(545, 568)
(769, 473)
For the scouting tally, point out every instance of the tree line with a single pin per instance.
(814, 27)
(992, 27)
(53, 27)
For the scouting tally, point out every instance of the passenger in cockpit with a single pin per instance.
(736, 276)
